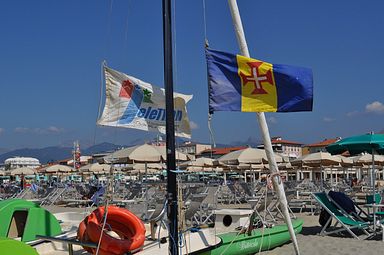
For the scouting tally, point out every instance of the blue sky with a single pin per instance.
(51, 54)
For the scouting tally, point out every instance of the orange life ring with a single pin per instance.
(124, 223)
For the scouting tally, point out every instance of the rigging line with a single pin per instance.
(108, 35)
(177, 143)
(237, 235)
(174, 44)
(126, 30)
(107, 42)
(206, 44)
(264, 219)
(102, 79)
(107, 198)
(211, 136)
(205, 21)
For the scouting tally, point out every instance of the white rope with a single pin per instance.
(211, 136)
(102, 229)
(109, 188)
(206, 44)
(249, 224)
(126, 31)
(264, 219)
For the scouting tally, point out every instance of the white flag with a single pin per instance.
(132, 103)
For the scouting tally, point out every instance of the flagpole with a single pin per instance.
(276, 179)
(170, 130)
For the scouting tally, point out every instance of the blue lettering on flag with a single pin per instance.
(132, 107)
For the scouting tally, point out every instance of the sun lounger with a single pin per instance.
(344, 221)
(377, 199)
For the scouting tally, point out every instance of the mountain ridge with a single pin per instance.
(55, 153)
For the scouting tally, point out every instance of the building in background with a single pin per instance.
(319, 146)
(193, 148)
(285, 148)
(17, 162)
(216, 153)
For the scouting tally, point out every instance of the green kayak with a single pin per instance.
(13, 247)
(233, 243)
(24, 219)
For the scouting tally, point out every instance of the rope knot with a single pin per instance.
(270, 178)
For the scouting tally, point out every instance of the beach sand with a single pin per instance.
(312, 244)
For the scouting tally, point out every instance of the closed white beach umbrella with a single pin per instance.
(180, 156)
(366, 159)
(143, 153)
(150, 166)
(22, 171)
(247, 156)
(345, 161)
(95, 168)
(200, 162)
(197, 169)
(139, 153)
(317, 159)
(59, 169)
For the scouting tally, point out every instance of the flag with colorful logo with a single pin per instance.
(132, 103)
(238, 83)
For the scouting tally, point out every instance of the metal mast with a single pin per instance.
(170, 129)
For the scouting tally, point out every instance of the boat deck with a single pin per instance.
(202, 239)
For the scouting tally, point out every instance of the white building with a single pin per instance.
(193, 148)
(285, 148)
(16, 162)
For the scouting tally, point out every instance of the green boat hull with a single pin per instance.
(25, 219)
(234, 243)
(13, 247)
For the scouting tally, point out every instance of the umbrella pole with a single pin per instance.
(276, 179)
(373, 179)
(373, 174)
(146, 191)
(321, 178)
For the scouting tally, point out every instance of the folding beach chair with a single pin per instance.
(377, 199)
(346, 221)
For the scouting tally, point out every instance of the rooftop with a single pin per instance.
(223, 151)
(281, 141)
(324, 143)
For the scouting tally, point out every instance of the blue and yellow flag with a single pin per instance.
(238, 83)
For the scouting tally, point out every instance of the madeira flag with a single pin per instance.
(238, 83)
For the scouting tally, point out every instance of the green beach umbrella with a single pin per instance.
(358, 144)
(371, 143)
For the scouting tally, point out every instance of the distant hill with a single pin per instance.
(102, 147)
(251, 141)
(3, 150)
(44, 155)
(55, 153)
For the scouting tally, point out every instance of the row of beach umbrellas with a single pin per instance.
(152, 158)
(371, 143)
(245, 159)
(143, 154)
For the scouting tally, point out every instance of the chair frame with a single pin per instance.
(358, 224)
